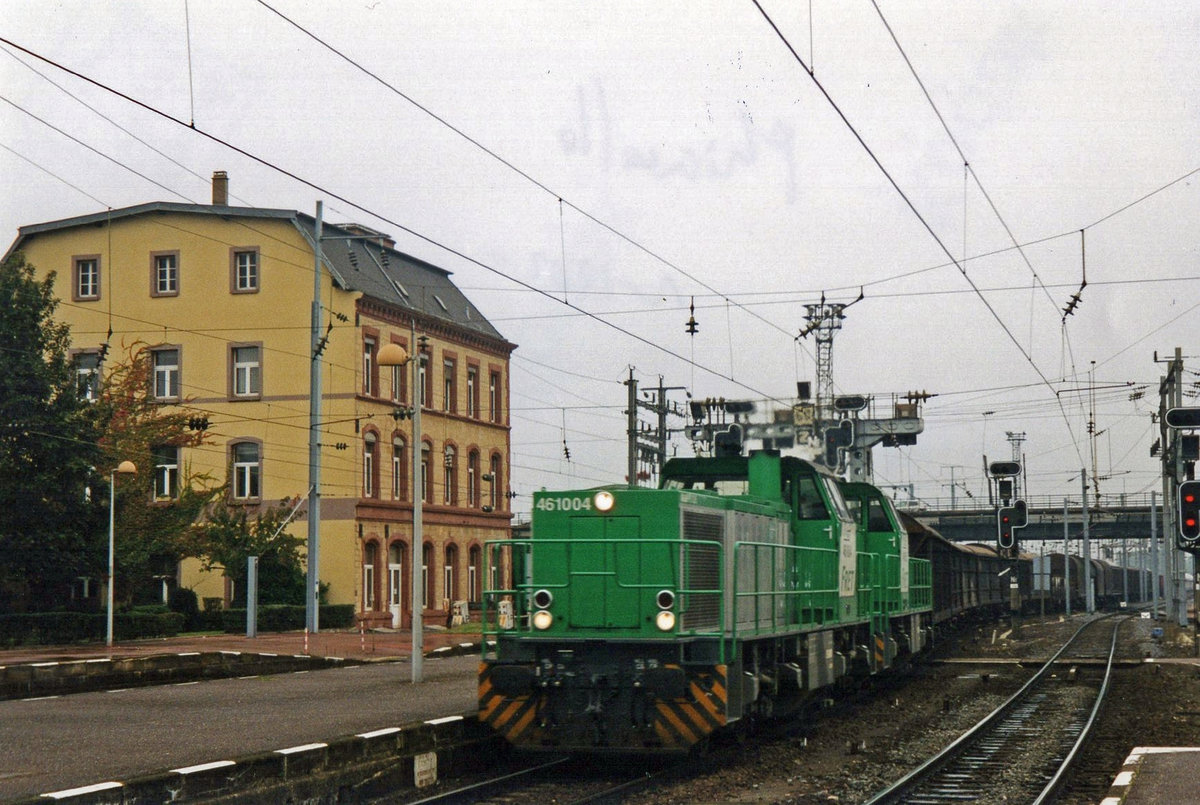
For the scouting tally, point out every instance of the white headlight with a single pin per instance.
(542, 619)
(603, 500)
(665, 620)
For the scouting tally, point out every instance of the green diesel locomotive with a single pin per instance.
(646, 619)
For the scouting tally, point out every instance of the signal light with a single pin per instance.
(1006, 526)
(1189, 510)
(1001, 469)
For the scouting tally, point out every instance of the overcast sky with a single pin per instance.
(695, 156)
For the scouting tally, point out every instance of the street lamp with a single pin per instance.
(124, 468)
(394, 355)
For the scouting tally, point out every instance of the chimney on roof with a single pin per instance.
(220, 189)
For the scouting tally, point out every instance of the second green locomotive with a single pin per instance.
(646, 619)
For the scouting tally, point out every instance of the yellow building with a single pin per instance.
(223, 296)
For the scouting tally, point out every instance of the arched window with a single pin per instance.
(474, 560)
(370, 466)
(450, 573)
(426, 475)
(497, 481)
(370, 557)
(426, 576)
(450, 476)
(398, 469)
(396, 574)
(473, 479)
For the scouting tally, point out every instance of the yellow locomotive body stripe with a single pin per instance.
(670, 719)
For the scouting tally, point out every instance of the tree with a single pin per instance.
(157, 507)
(228, 536)
(48, 449)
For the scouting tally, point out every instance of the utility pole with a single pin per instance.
(648, 445)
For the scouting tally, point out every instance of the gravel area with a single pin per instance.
(849, 756)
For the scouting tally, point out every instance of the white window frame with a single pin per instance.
(166, 274)
(247, 371)
(396, 575)
(87, 375)
(245, 270)
(166, 375)
(370, 446)
(166, 472)
(368, 385)
(247, 474)
(87, 278)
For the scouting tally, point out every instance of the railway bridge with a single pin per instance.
(1120, 516)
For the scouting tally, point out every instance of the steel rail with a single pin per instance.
(898, 791)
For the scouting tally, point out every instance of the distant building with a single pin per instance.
(223, 298)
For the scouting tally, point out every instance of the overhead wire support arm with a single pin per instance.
(1069, 310)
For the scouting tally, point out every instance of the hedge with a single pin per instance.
(288, 617)
(49, 628)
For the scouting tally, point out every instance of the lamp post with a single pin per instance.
(124, 468)
(394, 355)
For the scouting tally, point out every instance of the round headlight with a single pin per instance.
(603, 500)
(665, 620)
(542, 619)
(542, 599)
(665, 599)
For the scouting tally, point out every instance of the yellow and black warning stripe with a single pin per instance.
(683, 722)
(508, 715)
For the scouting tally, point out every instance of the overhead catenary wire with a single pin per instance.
(380, 216)
(912, 208)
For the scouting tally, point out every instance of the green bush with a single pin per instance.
(185, 602)
(52, 628)
(288, 617)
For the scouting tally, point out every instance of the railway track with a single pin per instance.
(1023, 749)
(564, 780)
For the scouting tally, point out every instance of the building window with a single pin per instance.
(397, 468)
(450, 573)
(247, 371)
(474, 557)
(472, 392)
(494, 396)
(247, 470)
(495, 471)
(399, 381)
(87, 375)
(166, 374)
(243, 271)
(395, 574)
(368, 366)
(449, 391)
(426, 476)
(473, 479)
(164, 274)
(423, 381)
(370, 462)
(449, 477)
(370, 552)
(166, 472)
(426, 579)
(85, 278)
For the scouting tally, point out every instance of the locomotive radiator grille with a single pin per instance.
(702, 570)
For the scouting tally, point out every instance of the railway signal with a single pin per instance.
(1005, 526)
(1189, 510)
(1184, 418)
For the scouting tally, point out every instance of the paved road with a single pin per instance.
(58, 743)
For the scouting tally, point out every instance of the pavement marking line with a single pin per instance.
(78, 792)
(1124, 778)
(379, 733)
(234, 653)
(216, 764)
(267, 654)
(43, 664)
(291, 750)
(188, 654)
(41, 698)
(102, 659)
(184, 684)
(117, 690)
(443, 720)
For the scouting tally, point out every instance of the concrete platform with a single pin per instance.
(1154, 775)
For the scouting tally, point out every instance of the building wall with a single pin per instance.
(205, 317)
